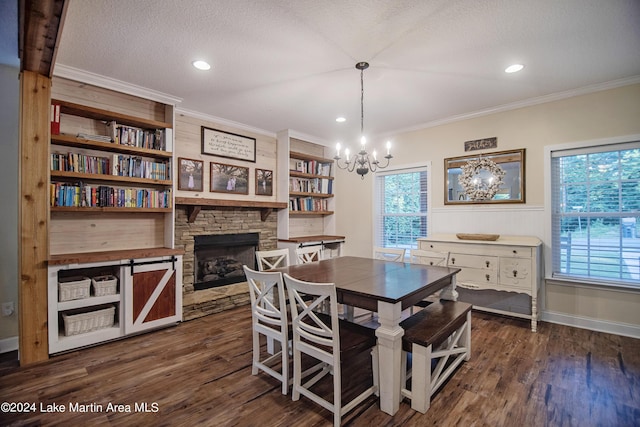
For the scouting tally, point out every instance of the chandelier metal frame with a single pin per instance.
(361, 162)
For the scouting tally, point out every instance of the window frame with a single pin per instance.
(420, 167)
(595, 145)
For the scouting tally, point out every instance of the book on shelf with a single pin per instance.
(311, 185)
(91, 137)
(81, 194)
(153, 139)
(307, 204)
(118, 164)
(55, 119)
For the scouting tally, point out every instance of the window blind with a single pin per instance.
(596, 213)
(400, 207)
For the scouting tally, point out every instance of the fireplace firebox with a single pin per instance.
(219, 258)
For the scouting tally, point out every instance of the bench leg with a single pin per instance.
(421, 378)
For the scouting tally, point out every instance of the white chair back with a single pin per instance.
(272, 259)
(419, 256)
(319, 336)
(269, 318)
(307, 254)
(389, 254)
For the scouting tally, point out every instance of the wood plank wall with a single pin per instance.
(35, 95)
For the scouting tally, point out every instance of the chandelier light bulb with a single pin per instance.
(388, 147)
(338, 149)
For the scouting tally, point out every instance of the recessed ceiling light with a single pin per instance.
(513, 68)
(341, 119)
(201, 65)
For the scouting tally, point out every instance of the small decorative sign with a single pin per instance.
(230, 145)
(481, 144)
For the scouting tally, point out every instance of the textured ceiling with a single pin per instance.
(289, 64)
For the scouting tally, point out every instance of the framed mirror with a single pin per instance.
(485, 178)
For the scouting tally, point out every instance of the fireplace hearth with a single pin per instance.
(219, 258)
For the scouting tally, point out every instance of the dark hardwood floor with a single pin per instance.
(198, 373)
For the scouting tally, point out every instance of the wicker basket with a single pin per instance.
(104, 285)
(81, 323)
(70, 288)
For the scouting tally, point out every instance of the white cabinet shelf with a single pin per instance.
(149, 296)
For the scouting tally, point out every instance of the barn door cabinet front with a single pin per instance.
(153, 294)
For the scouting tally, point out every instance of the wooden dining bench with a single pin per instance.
(439, 333)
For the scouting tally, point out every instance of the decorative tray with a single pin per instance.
(485, 237)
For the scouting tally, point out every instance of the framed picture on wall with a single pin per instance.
(190, 175)
(229, 179)
(264, 182)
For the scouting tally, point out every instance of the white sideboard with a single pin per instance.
(509, 264)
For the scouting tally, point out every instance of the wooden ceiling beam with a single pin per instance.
(40, 27)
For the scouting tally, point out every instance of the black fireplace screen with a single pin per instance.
(219, 258)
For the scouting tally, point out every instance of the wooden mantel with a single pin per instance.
(195, 204)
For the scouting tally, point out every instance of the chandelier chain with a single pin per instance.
(362, 102)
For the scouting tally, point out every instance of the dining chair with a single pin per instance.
(389, 254)
(307, 254)
(420, 256)
(269, 318)
(274, 258)
(327, 340)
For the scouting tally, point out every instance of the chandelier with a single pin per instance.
(361, 162)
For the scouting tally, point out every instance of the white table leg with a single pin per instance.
(449, 292)
(389, 335)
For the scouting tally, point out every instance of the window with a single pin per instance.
(401, 208)
(595, 216)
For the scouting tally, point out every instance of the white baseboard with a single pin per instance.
(598, 325)
(8, 344)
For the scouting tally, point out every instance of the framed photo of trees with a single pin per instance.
(264, 182)
(229, 179)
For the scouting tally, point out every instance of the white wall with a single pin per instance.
(9, 104)
(602, 114)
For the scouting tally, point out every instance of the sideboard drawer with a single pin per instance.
(477, 275)
(515, 272)
(473, 261)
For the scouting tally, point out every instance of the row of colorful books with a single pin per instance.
(311, 185)
(118, 164)
(313, 167)
(86, 195)
(137, 137)
(307, 204)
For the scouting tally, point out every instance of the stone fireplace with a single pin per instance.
(214, 224)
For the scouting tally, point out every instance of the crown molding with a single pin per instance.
(71, 73)
(585, 90)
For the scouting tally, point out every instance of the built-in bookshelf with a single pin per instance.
(310, 184)
(306, 182)
(111, 205)
(117, 166)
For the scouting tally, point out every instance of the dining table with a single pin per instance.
(385, 287)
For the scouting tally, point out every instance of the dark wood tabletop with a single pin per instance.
(362, 282)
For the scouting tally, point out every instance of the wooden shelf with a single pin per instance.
(104, 115)
(300, 194)
(297, 174)
(310, 213)
(73, 141)
(89, 257)
(109, 209)
(304, 156)
(195, 204)
(64, 175)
